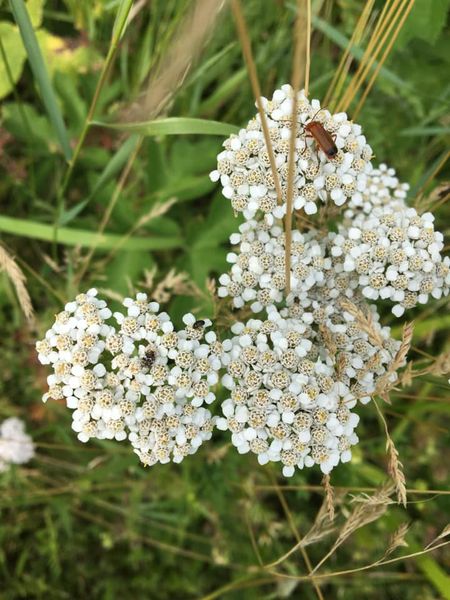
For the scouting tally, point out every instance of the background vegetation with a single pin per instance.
(87, 521)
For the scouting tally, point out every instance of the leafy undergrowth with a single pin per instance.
(136, 211)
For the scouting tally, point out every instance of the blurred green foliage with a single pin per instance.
(88, 521)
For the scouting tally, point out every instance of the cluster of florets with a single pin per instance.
(139, 379)
(258, 273)
(294, 378)
(395, 255)
(244, 167)
(16, 446)
(382, 189)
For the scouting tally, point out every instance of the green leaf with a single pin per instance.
(81, 237)
(116, 163)
(423, 131)
(15, 54)
(432, 571)
(120, 23)
(173, 126)
(36, 11)
(40, 73)
(426, 21)
(35, 129)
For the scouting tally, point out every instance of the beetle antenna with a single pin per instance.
(315, 115)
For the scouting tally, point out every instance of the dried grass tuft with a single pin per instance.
(173, 284)
(329, 496)
(15, 274)
(364, 320)
(386, 382)
(395, 467)
(171, 72)
(397, 539)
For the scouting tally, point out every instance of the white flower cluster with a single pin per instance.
(258, 271)
(16, 446)
(294, 374)
(294, 378)
(139, 379)
(244, 168)
(382, 189)
(395, 255)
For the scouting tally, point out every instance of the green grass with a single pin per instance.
(87, 521)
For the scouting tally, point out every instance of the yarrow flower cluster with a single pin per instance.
(395, 255)
(139, 379)
(294, 374)
(244, 168)
(258, 271)
(16, 446)
(294, 378)
(382, 189)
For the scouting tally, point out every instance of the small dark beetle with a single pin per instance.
(198, 324)
(149, 358)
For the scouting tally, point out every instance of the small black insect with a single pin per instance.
(149, 358)
(198, 324)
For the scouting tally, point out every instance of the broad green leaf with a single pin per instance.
(426, 21)
(60, 55)
(35, 129)
(15, 54)
(36, 11)
(41, 74)
(173, 126)
(81, 237)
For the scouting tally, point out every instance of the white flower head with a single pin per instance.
(382, 189)
(16, 446)
(293, 379)
(394, 255)
(138, 379)
(258, 276)
(244, 166)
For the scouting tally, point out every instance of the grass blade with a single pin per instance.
(173, 126)
(80, 237)
(40, 73)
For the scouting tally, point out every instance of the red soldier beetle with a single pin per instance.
(322, 137)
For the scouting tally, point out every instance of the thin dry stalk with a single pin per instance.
(365, 512)
(163, 83)
(346, 61)
(244, 39)
(364, 321)
(308, 46)
(365, 57)
(321, 528)
(158, 210)
(382, 59)
(329, 496)
(293, 527)
(295, 82)
(114, 198)
(15, 274)
(444, 533)
(377, 43)
(395, 467)
(441, 164)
